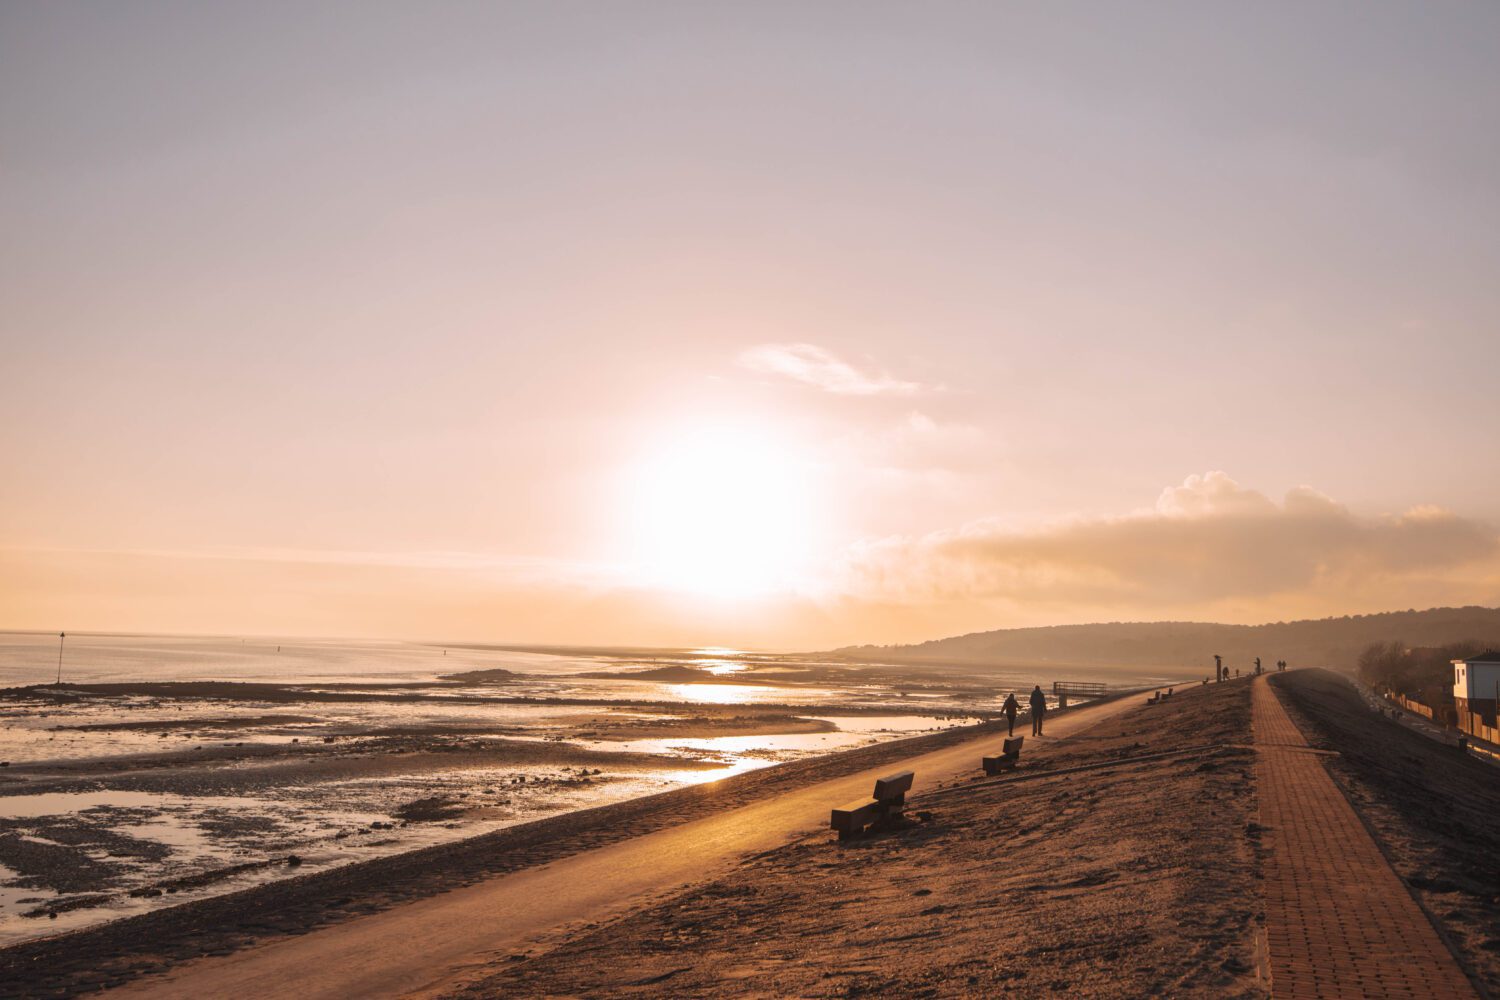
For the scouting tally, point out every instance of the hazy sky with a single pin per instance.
(774, 324)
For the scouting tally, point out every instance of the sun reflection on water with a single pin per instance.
(723, 694)
(721, 667)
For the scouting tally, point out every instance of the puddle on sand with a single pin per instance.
(62, 803)
(746, 694)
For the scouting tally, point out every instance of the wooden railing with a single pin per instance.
(1083, 689)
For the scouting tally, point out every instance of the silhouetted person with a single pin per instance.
(1010, 708)
(1218, 668)
(1257, 666)
(1038, 709)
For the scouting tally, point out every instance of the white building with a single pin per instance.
(1476, 684)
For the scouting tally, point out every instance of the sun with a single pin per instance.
(721, 510)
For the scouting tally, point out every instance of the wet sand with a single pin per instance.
(128, 796)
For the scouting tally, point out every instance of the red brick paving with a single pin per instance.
(1339, 922)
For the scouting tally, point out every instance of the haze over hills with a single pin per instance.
(1329, 642)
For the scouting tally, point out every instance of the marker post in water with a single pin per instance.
(60, 637)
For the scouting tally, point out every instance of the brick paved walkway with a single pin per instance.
(1339, 922)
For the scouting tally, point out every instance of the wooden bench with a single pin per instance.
(1010, 753)
(885, 805)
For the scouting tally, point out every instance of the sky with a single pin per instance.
(777, 325)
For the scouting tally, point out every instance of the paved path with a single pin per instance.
(1339, 922)
(423, 946)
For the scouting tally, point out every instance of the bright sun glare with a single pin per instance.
(721, 511)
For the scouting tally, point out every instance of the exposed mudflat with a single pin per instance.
(134, 784)
(192, 800)
(115, 952)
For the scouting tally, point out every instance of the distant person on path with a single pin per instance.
(1038, 709)
(1010, 708)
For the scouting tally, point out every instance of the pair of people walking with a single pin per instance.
(1038, 710)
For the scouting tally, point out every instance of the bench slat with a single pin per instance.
(894, 786)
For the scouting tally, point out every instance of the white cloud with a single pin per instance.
(821, 369)
(1207, 540)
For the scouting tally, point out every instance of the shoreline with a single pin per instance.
(126, 796)
(221, 924)
(407, 693)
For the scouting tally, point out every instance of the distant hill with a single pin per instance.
(1326, 642)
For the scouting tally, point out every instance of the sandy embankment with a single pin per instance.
(1130, 880)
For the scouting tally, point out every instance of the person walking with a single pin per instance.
(1038, 709)
(1010, 708)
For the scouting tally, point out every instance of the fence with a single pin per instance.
(1473, 724)
(1410, 705)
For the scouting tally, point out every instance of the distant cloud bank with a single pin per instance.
(1207, 540)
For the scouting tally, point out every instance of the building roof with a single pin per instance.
(1486, 657)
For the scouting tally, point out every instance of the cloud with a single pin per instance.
(821, 369)
(1205, 542)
